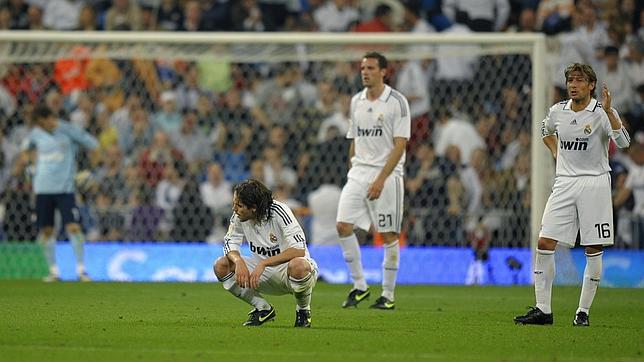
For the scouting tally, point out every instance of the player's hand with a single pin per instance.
(375, 189)
(256, 274)
(242, 276)
(605, 97)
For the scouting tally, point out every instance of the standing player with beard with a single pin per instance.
(577, 132)
(280, 262)
(379, 130)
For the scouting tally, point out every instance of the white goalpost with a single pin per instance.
(36, 47)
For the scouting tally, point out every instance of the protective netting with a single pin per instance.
(180, 122)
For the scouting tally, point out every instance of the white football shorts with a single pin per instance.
(274, 279)
(385, 213)
(579, 203)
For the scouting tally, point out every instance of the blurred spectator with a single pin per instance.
(616, 74)
(110, 220)
(514, 146)
(146, 217)
(18, 10)
(323, 205)
(479, 239)
(8, 154)
(34, 14)
(168, 191)
(70, 73)
(217, 194)
(193, 220)
(412, 80)
(62, 14)
(5, 18)
(34, 83)
(123, 15)
(247, 16)
(335, 15)
(169, 15)
(215, 15)
(193, 143)
(636, 61)
(338, 120)
(106, 134)
(154, 159)
(382, 21)
(188, 91)
(455, 69)
(168, 119)
(105, 77)
(192, 16)
(435, 196)
(87, 19)
(257, 170)
(554, 16)
(275, 171)
(83, 113)
(479, 15)
(526, 23)
(111, 177)
(634, 185)
(55, 101)
(459, 133)
(7, 104)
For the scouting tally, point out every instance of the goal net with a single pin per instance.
(181, 117)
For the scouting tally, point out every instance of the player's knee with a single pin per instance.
(344, 229)
(546, 244)
(221, 267)
(389, 237)
(298, 268)
(47, 232)
(73, 228)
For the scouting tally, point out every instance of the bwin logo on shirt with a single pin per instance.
(368, 132)
(260, 250)
(574, 145)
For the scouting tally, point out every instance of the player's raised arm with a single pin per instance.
(619, 134)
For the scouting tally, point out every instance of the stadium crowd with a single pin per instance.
(175, 136)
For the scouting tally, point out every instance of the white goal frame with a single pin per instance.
(532, 44)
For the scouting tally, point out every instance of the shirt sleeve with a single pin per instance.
(28, 143)
(351, 133)
(402, 125)
(234, 236)
(620, 136)
(80, 136)
(291, 229)
(548, 125)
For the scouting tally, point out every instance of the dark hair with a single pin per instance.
(586, 70)
(254, 194)
(382, 61)
(40, 112)
(382, 10)
(611, 50)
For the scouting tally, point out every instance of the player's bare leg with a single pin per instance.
(351, 253)
(225, 272)
(302, 279)
(592, 276)
(544, 275)
(390, 265)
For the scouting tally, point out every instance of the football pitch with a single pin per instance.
(182, 322)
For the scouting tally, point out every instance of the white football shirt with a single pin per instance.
(583, 137)
(373, 126)
(282, 231)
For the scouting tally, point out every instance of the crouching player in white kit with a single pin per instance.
(280, 262)
(577, 132)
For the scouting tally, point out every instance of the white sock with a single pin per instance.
(478, 272)
(78, 240)
(351, 253)
(390, 269)
(469, 277)
(592, 276)
(544, 275)
(302, 290)
(248, 295)
(49, 249)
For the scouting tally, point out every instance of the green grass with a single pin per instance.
(177, 322)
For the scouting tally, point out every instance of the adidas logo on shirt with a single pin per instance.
(573, 122)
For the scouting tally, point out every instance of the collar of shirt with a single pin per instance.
(383, 96)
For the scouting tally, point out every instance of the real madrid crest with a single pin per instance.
(587, 129)
(272, 237)
(381, 118)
